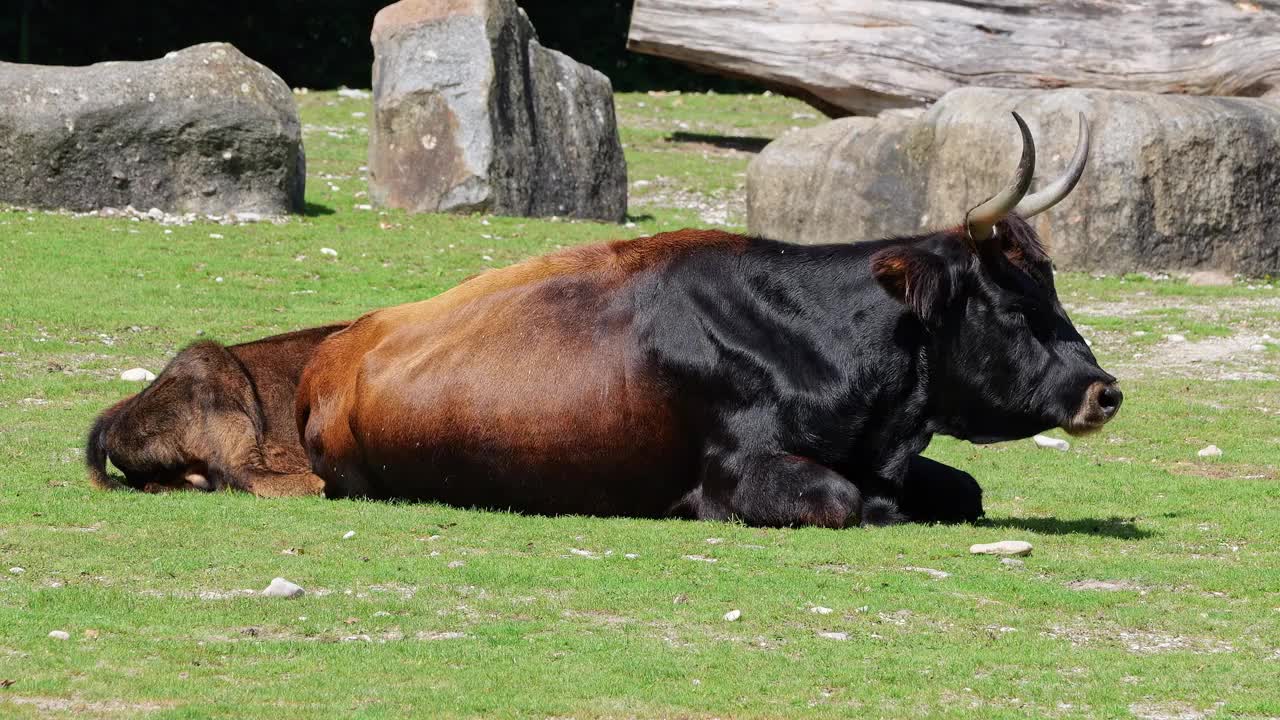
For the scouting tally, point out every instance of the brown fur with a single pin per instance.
(397, 403)
(216, 417)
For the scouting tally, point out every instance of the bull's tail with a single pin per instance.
(95, 450)
(881, 511)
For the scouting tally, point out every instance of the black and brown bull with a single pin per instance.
(704, 374)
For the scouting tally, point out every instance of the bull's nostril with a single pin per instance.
(1109, 399)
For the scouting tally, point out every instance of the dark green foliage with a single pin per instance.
(309, 43)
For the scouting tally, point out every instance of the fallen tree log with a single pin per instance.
(862, 57)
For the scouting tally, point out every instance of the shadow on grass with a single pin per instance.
(1110, 527)
(725, 142)
(639, 218)
(315, 210)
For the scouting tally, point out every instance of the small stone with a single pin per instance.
(714, 541)
(1051, 443)
(16, 570)
(1211, 451)
(819, 610)
(348, 534)
(216, 236)
(834, 635)
(60, 635)
(630, 556)
(1004, 547)
(382, 613)
(732, 615)
(138, 375)
(455, 564)
(1175, 338)
(280, 587)
(328, 251)
(1209, 278)
(1012, 562)
(218, 279)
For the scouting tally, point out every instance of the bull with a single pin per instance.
(217, 417)
(704, 374)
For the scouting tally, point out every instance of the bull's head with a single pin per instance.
(1004, 360)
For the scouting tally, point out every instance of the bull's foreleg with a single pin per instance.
(934, 492)
(775, 490)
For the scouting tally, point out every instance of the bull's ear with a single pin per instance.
(916, 278)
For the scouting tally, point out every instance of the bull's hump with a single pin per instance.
(611, 263)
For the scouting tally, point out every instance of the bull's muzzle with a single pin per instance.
(1101, 403)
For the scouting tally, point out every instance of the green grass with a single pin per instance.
(149, 587)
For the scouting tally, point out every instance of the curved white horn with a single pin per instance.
(981, 220)
(1059, 189)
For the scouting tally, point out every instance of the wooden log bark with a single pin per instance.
(862, 57)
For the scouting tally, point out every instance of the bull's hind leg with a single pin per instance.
(775, 490)
(273, 484)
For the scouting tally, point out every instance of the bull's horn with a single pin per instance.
(1059, 189)
(981, 221)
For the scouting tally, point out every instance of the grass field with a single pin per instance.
(1153, 591)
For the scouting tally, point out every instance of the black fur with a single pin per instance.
(790, 352)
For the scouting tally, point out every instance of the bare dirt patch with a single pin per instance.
(1139, 642)
(1106, 585)
(1170, 711)
(79, 707)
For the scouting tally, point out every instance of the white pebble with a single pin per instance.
(1051, 443)
(455, 564)
(280, 587)
(631, 556)
(215, 236)
(16, 570)
(348, 534)
(218, 279)
(329, 251)
(138, 375)
(1211, 451)
(1004, 547)
(819, 610)
(60, 635)
(732, 615)
(834, 635)
(1176, 338)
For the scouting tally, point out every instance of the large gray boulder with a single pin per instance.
(203, 130)
(472, 114)
(1173, 182)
